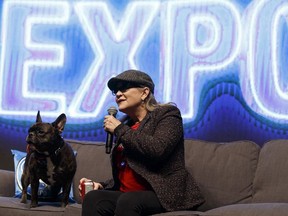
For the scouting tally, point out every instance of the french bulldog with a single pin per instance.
(48, 158)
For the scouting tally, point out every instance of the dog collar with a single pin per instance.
(41, 155)
(58, 150)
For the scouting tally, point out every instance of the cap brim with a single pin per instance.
(114, 82)
(111, 83)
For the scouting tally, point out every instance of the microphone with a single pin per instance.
(109, 139)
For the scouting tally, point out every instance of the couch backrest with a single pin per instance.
(92, 163)
(224, 171)
(271, 178)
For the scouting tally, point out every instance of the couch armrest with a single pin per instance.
(7, 185)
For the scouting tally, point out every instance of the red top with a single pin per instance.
(129, 180)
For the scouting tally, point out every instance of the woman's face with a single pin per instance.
(129, 100)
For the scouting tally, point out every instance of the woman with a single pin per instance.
(149, 174)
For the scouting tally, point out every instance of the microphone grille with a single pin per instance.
(112, 110)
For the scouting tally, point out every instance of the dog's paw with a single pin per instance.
(64, 204)
(24, 198)
(33, 204)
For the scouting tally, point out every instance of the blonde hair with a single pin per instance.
(151, 103)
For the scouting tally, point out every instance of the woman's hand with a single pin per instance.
(110, 123)
(96, 185)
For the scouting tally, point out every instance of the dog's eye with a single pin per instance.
(41, 132)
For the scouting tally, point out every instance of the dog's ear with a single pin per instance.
(38, 117)
(60, 122)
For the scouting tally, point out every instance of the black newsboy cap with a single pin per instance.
(136, 77)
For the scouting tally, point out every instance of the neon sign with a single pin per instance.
(194, 43)
(267, 91)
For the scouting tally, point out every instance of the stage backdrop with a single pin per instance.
(223, 62)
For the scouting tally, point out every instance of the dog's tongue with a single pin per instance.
(30, 147)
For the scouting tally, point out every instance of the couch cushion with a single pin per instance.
(7, 186)
(259, 209)
(73, 210)
(224, 171)
(92, 163)
(13, 207)
(180, 213)
(271, 179)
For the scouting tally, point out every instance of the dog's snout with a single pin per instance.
(29, 136)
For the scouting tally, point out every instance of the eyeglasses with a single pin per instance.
(124, 87)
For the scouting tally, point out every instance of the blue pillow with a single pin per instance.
(44, 191)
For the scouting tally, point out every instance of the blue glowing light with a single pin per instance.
(56, 56)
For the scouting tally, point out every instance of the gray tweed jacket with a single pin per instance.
(156, 152)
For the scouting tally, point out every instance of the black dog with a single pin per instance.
(48, 158)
